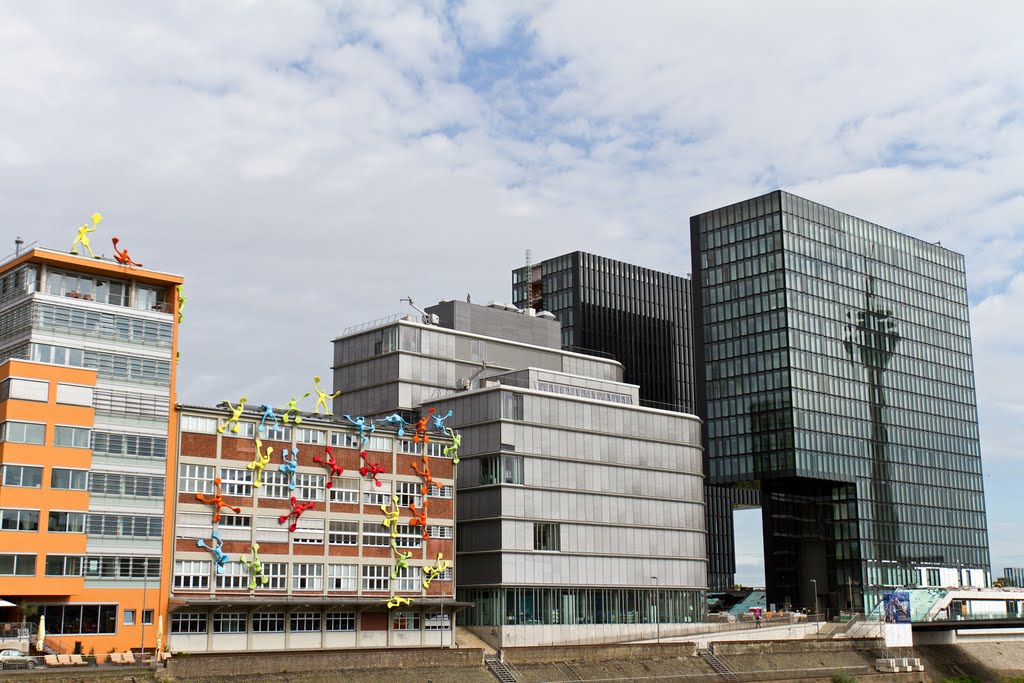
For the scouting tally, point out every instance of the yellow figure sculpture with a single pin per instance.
(293, 407)
(391, 516)
(181, 303)
(259, 463)
(83, 236)
(321, 397)
(398, 601)
(236, 412)
(431, 573)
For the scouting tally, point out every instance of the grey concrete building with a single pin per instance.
(580, 514)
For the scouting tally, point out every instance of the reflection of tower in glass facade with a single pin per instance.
(813, 395)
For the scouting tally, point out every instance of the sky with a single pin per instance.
(306, 165)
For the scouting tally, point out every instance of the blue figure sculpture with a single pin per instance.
(361, 423)
(220, 558)
(439, 422)
(290, 466)
(268, 413)
(396, 419)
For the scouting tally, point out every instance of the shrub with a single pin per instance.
(843, 676)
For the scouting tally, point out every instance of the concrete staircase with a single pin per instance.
(717, 664)
(466, 638)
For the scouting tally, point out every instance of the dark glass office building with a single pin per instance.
(638, 316)
(838, 381)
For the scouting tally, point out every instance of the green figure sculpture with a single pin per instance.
(255, 567)
(292, 407)
(181, 303)
(453, 450)
(401, 560)
(321, 397)
(83, 236)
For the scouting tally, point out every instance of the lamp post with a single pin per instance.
(657, 607)
(142, 617)
(817, 624)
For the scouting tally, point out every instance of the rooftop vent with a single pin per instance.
(547, 315)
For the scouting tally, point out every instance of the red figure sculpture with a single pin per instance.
(421, 428)
(123, 258)
(420, 518)
(217, 501)
(297, 510)
(370, 468)
(332, 465)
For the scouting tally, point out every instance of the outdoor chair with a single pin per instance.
(129, 658)
(77, 660)
(64, 660)
(50, 660)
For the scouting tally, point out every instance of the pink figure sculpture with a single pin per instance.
(297, 510)
(217, 501)
(421, 428)
(371, 468)
(332, 465)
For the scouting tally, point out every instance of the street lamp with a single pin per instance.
(657, 607)
(142, 617)
(817, 624)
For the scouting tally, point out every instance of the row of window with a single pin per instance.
(297, 622)
(101, 483)
(114, 366)
(89, 566)
(94, 524)
(305, 576)
(34, 433)
(308, 530)
(23, 389)
(94, 323)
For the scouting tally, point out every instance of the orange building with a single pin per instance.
(87, 449)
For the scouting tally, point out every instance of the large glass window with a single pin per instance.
(376, 577)
(19, 520)
(24, 389)
(69, 480)
(343, 532)
(192, 574)
(66, 522)
(342, 577)
(546, 536)
(186, 622)
(17, 565)
(229, 622)
(64, 565)
(501, 469)
(71, 437)
(23, 475)
(79, 619)
(23, 432)
(268, 622)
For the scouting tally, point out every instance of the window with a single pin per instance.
(279, 433)
(150, 298)
(23, 475)
(268, 622)
(304, 621)
(378, 443)
(129, 617)
(79, 619)
(19, 565)
(546, 536)
(236, 482)
(199, 425)
(341, 621)
(121, 567)
(71, 437)
(194, 524)
(229, 622)
(511, 405)
(63, 565)
(409, 536)
(234, 527)
(66, 522)
(376, 534)
(408, 580)
(19, 520)
(436, 491)
(438, 622)
(345, 490)
(192, 574)
(275, 485)
(376, 577)
(235, 576)
(125, 368)
(195, 479)
(132, 403)
(437, 531)
(432, 449)
(138, 526)
(23, 432)
(378, 495)
(246, 430)
(343, 533)
(408, 493)
(125, 328)
(134, 445)
(309, 530)
(147, 617)
(501, 469)
(405, 621)
(74, 394)
(345, 440)
(24, 389)
(270, 530)
(307, 576)
(342, 577)
(317, 437)
(69, 480)
(188, 622)
(130, 485)
(276, 573)
(309, 487)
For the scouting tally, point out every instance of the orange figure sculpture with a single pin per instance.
(425, 473)
(421, 428)
(297, 510)
(217, 501)
(420, 518)
(122, 257)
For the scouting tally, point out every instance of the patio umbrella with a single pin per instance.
(159, 637)
(42, 632)
(6, 603)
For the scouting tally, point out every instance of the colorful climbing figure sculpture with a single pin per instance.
(292, 407)
(255, 567)
(290, 466)
(453, 449)
(370, 468)
(268, 413)
(332, 465)
(401, 560)
(439, 422)
(419, 518)
(83, 235)
(181, 303)
(261, 461)
(391, 516)
(425, 473)
(397, 420)
(220, 558)
(236, 412)
(361, 422)
(297, 510)
(421, 428)
(122, 257)
(322, 397)
(398, 601)
(217, 501)
(431, 573)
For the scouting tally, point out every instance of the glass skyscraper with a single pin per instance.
(838, 381)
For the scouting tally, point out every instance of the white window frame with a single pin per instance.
(408, 580)
(443, 491)
(235, 527)
(275, 485)
(196, 525)
(276, 573)
(71, 514)
(81, 437)
(409, 493)
(16, 431)
(435, 621)
(235, 577)
(307, 576)
(71, 477)
(198, 424)
(25, 389)
(192, 575)
(343, 532)
(382, 444)
(270, 530)
(279, 433)
(230, 622)
(343, 578)
(246, 430)
(376, 578)
(193, 478)
(18, 516)
(19, 559)
(309, 530)
(309, 435)
(409, 536)
(309, 487)
(268, 622)
(340, 621)
(12, 467)
(345, 490)
(236, 482)
(188, 622)
(378, 495)
(304, 622)
(405, 621)
(441, 531)
(376, 535)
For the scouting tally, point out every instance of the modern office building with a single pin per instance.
(580, 515)
(839, 381)
(88, 348)
(297, 552)
(638, 316)
(1015, 576)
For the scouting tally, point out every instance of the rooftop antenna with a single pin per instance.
(17, 245)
